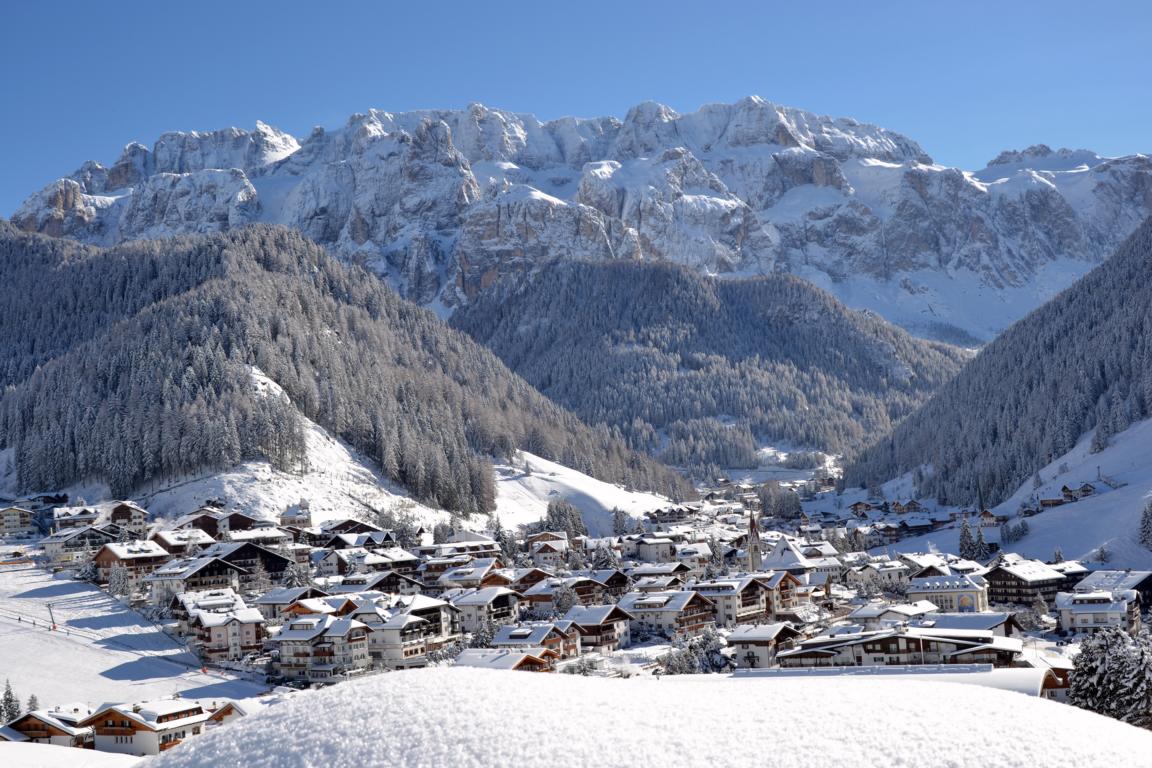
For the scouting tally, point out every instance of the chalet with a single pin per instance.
(348, 525)
(192, 575)
(479, 572)
(368, 540)
(177, 542)
(339, 562)
(877, 615)
(614, 582)
(658, 584)
(1018, 581)
(1048, 503)
(786, 556)
(660, 570)
(148, 728)
(431, 569)
(498, 605)
(62, 518)
(226, 713)
(902, 646)
(139, 558)
(756, 646)
(602, 628)
(268, 536)
(17, 522)
(273, 603)
(75, 545)
(989, 519)
(245, 555)
(671, 614)
(380, 581)
(1069, 494)
(127, 514)
(322, 648)
(227, 636)
(887, 574)
(563, 637)
(507, 659)
(183, 605)
(656, 549)
(1073, 571)
(960, 593)
(59, 726)
(1088, 612)
(549, 554)
(443, 618)
(696, 556)
(912, 507)
(540, 597)
(749, 599)
(542, 536)
(215, 521)
(861, 508)
(297, 515)
(396, 640)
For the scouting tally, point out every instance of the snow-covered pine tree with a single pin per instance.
(980, 549)
(620, 522)
(9, 704)
(967, 542)
(119, 583)
(563, 598)
(1057, 554)
(604, 558)
(259, 581)
(482, 637)
(296, 576)
(1146, 526)
(33, 704)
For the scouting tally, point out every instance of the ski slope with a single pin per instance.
(100, 652)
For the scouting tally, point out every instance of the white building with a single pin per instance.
(1091, 611)
(960, 593)
(148, 728)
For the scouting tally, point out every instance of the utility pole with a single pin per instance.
(51, 617)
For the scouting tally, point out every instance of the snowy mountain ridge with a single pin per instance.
(444, 202)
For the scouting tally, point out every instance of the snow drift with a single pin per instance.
(439, 717)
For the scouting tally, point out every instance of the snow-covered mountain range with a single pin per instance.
(444, 202)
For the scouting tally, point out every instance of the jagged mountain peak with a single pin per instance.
(749, 187)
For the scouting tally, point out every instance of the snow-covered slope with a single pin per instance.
(100, 650)
(445, 201)
(1111, 517)
(560, 720)
(523, 491)
(28, 755)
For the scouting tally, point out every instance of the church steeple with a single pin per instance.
(754, 560)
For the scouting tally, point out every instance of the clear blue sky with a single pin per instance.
(965, 79)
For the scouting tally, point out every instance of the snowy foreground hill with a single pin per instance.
(444, 201)
(420, 718)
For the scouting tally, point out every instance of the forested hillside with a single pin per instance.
(136, 363)
(1081, 362)
(696, 370)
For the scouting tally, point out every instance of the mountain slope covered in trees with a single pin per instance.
(696, 369)
(1081, 362)
(136, 362)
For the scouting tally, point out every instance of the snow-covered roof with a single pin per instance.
(757, 633)
(1113, 580)
(131, 550)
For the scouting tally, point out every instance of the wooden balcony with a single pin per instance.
(167, 745)
(115, 730)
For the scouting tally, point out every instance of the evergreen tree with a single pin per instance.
(1146, 526)
(980, 549)
(296, 576)
(259, 581)
(563, 598)
(119, 582)
(604, 558)
(967, 542)
(9, 704)
(482, 637)
(620, 522)
(33, 704)
(1057, 554)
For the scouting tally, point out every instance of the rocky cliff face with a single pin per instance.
(443, 202)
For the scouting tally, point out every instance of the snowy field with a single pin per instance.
(101, 651)
(703, 720)
(51, 756)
